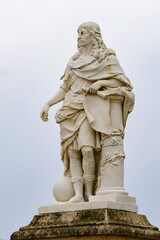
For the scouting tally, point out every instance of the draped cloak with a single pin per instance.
(77, 106)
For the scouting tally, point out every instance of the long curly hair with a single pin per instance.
(99, 49)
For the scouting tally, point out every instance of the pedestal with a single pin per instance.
(97, 224)
(111, 166)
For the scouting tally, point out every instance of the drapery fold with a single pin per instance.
(77, 106)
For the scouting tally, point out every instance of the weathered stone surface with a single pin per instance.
(89, 224)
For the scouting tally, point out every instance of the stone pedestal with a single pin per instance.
(111, 167)
(97, 224)
(111, 201)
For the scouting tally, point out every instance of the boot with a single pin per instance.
(78, 188)
(88, 181)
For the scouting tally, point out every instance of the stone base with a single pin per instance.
(117, 201)
(101, 237)
(112, 201)
(97, 224)
(112, 190)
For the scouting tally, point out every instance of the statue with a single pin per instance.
(97, 98)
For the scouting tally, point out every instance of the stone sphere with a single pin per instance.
(63, 189)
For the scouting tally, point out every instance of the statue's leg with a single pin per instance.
(88, 169)
(77, 175)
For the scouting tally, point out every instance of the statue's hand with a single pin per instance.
(44, 113)
(94, 88)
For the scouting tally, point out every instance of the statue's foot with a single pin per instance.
(87, 195)
(76, 199)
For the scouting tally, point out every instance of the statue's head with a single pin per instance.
(89, 32)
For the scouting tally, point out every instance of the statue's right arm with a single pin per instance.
(58, 97)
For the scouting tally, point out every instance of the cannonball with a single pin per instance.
(63, 189)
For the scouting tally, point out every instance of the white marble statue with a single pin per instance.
(97, 98)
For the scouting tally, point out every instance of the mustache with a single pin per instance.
(78, 42)
(79, 39)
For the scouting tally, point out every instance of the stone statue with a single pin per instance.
(97, 98)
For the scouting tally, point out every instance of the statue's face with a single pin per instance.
(84, 37)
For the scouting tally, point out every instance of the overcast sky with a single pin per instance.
(37, 39)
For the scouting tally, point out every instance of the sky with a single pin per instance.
(38, 37)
